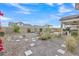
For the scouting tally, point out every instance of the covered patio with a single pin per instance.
(70, 23)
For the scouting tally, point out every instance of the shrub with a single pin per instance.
(16, 28)
(57, 36)
(78, 36)
(45, 36)
(40, 30)
(70, 43)
(28, 30)
(2, 34)
(74, 33)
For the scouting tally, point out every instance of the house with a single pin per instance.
(70, 23)
(23, 27)
(34, 28)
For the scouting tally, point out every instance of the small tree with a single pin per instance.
(16, 28)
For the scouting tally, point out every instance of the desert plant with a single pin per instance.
(45, 34)
(70, 43)
(78, 36)
(40, 30)
(16, 28)
(2, 33)
(28, 30)
(74, 33)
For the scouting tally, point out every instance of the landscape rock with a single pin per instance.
(61, 51)
(28, 52)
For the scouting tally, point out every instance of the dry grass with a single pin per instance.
(71, 43)
(45, 35)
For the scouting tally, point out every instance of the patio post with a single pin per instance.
(61, 28)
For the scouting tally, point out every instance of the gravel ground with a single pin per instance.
(16, 46)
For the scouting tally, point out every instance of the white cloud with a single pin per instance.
(5, 18)
(73, 4)
(42, 22)
(60, 3)
(72, 13)
(23, 12)
(55, 16)
(22, 9)
(19, 6)
(56, 26)
(59, 14)
(62, 9)
(50, 4)
(38, 22)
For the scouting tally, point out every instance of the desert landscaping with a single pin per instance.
(41, 42)
(34, 32)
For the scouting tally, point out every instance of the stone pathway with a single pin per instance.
(31, 46)
(59, 51)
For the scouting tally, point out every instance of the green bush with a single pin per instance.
(2, 34)
(70, 43)
(40, 30)
(16, 28)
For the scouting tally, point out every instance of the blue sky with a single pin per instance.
(36, 13)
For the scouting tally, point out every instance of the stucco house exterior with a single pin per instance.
(70, 23)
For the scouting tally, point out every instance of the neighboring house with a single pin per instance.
(18, 23)
(24, 27)
(70, 23)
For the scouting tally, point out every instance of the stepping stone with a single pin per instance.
(63, 45)
(34, 40)
(17, 40)
(20, 37)
(32, 44)
(26, 39)
(61, 51)
(28, 52)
